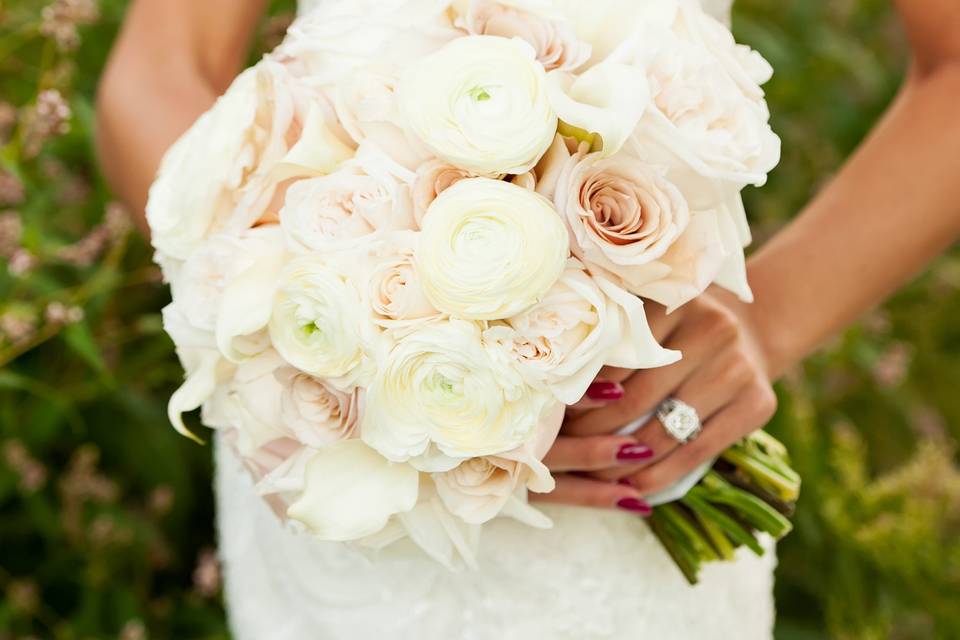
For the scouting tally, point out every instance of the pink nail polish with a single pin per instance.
(634, 453)
(634, 505)
(605, 391)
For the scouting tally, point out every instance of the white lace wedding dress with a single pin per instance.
(595, 575)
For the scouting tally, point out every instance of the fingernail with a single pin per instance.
(635, 505)
(605, 391)
(634, 452)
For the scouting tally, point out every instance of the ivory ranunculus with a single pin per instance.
(554, 40)
(565, 339)
(481, 104)
(442, 386)
(333, 212)
(351, 491)
(490, 249)
(320, 326)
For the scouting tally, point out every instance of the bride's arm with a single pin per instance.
(892, 209)
(170, 62)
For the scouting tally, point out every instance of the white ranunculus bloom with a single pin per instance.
(565, 339)
(480, 103)
(368, 195)
(443, 386)
(534, 21)
(490, 249)
(350, 491)
(320, 326)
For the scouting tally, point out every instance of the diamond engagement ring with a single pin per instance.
(679, 419)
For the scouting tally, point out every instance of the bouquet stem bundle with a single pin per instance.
(750, 490)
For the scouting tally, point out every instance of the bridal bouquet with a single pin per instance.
(404, 241)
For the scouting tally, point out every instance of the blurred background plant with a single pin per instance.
(106, 521)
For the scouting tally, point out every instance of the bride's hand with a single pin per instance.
(724, 375)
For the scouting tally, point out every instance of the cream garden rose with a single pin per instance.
(565, 339)
(394, 292)
(489, 249)
(442, 386)
(244, 147)
(317, 413)
(480, 103)
(368, 195)
(554, 40)
(709, 118)
(433, 178)
(319, 325)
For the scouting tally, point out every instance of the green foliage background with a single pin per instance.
(106, 515)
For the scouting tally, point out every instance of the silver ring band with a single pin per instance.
(680, 420)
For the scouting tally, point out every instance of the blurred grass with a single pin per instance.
(106, 521)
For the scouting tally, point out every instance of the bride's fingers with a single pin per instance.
(600, 393)
(595, 453)
(708, 390)
(750, 411)
(585, 492)
(647, 388)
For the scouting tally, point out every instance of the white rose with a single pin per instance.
(564, 340)
(490, 249)
(199, 288)
(224, 171)
(480, 103)
(327, 44)
(350, 491)
(442, 386)
(555, 41)
(249, 404)
(366, 105)
(336, 211)
(709, 120)
(320, 326)
(317, 414)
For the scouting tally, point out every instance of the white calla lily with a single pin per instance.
(351, 491)
(603, 105)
